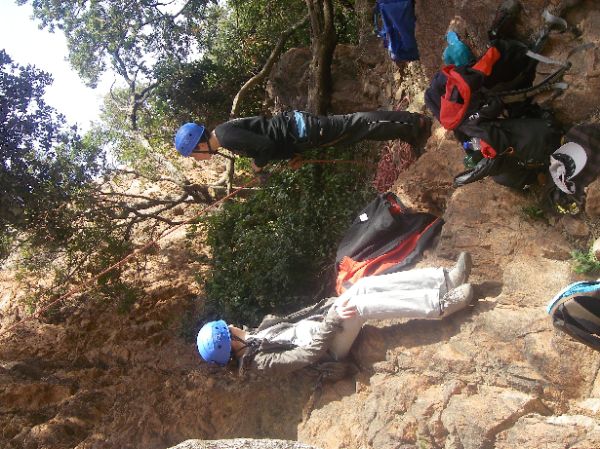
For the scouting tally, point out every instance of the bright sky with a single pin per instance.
(26, 44)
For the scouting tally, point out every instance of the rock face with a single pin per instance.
(477, 379)
(242, 443)
(494, 376)
(350, 92)
(364, 77)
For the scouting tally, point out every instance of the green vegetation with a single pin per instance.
(533, 212)
(585, 262)
(277, 248)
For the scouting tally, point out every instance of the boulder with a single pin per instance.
(551, 432)
(242, 443)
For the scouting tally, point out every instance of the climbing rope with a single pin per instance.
(88, 285)
(395, 158)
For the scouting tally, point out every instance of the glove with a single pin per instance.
(485, 167)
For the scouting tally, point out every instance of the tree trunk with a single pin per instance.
(323, 42)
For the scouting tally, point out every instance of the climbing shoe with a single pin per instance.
(456, 299)
(423, 136)
(459, 273)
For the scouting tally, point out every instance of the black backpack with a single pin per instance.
(576, 311)
(386, 237)
(498, 84)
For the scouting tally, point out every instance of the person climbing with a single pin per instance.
(290, 133)
(325, 332)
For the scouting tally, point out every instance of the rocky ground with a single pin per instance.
(496, 375)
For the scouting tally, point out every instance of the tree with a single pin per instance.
(323, 42)
(131, 36)
(44, 164)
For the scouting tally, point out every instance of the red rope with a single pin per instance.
(88, 285)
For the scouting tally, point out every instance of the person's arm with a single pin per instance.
(235, 138)
(285, 362)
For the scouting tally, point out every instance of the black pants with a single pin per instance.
(348, 129)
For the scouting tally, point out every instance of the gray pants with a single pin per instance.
(407, 294)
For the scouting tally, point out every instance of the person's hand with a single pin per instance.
(255, 168)
(296, 162)
(262, 175)
(346, 311)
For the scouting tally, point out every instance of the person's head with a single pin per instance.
(219, 343)
(214, 342)
(192, 140)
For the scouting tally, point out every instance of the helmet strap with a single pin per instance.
(211, 150)
(241, 340)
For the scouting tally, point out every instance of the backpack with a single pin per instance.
(576, 311)
(462, 97)
(385, 238)
(397, 19)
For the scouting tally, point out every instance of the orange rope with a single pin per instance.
(88, 285)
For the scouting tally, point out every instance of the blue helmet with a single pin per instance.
(188, 137)
(214, 342)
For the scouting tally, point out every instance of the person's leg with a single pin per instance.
(407, 294)
(390, 125)
(377, 125)
(343, 340)
(419, 293)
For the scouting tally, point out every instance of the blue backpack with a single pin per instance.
(397, 20)
(576, 311)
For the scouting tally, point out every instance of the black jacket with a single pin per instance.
(260, 138)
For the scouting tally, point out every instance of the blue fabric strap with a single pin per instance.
(300, 124)
(573, 289)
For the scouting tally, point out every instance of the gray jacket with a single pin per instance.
(281, 358)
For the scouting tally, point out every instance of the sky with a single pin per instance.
(25, 43)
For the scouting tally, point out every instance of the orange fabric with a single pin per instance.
(395, 208)
(452, 113)
(350, 271)
(487, 150)
(486, 63)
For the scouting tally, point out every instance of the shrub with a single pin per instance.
(276, 250)
(585, 262)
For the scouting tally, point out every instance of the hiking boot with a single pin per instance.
(423, 135)
(507, 11)
(456, 299)
(459, 273)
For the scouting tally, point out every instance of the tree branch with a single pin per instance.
(227, 177)
(266, 69)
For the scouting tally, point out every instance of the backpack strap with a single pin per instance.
(549, 83)
(544, 59)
